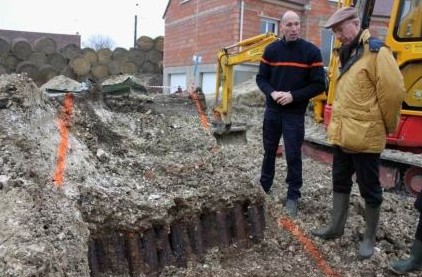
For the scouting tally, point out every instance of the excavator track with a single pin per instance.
(413, 179)
(397, 167)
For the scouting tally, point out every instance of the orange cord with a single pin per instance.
(202, 115)
(289, 225)
(63, 122)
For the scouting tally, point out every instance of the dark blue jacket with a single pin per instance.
(294, 66)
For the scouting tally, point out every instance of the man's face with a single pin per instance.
(290, 27)
(346, 31)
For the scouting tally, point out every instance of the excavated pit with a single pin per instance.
(145, 190)
(146, 184)
(183, 236)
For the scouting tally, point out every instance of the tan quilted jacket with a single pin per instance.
(367, 102)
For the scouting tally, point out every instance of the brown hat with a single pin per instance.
(341, 15)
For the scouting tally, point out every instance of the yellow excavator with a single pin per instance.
(249, 50)
(402, 160)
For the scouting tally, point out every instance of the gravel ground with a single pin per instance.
(130, 159)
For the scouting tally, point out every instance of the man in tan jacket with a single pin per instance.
(369, 93)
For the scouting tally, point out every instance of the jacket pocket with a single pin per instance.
(353, 134)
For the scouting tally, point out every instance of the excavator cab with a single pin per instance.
(249, 50)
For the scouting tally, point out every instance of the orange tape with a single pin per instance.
(289, 225)
(63, 122)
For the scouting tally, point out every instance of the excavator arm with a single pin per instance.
(249, 50)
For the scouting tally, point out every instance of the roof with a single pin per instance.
(165, 11)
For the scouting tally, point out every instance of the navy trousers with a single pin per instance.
(292, 128)
(418, 206)
(418, 234)
(366, 167)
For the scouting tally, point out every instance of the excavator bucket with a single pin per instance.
(230, 135)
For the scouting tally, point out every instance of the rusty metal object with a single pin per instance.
(145, 252)
(133, 253)
(164, 252)
(195, 236)
(223, 228)
(240, 227)
(180, 245)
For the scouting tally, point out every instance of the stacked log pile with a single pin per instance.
(42, 60)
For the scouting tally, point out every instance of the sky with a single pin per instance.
(110, 18)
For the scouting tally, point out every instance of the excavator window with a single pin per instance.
(409, 22)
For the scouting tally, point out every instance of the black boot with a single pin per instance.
(372, 215)
(414, 262)
(338, 218)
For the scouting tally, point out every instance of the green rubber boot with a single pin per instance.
(372, 215)
(414, 262)
(338, 218)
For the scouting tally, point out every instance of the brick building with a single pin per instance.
(196, 29)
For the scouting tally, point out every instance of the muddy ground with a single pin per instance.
(136, 159)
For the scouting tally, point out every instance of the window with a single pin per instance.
(268, 25)
(410, 20)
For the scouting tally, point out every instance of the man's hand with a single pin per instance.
(282, 97)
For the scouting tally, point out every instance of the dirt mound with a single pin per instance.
(134, 161)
